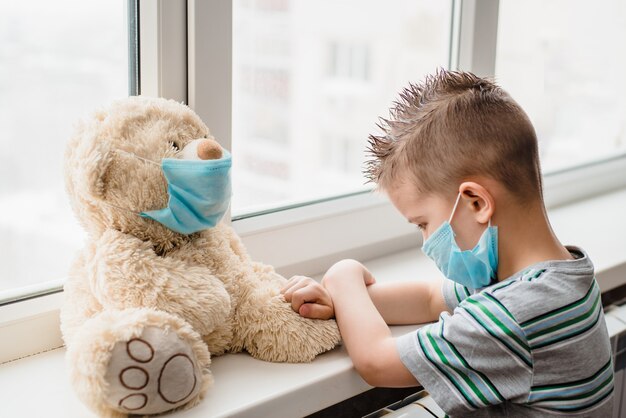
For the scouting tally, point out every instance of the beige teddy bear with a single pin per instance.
(146, 306)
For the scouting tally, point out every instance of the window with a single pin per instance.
(293, 88)
(567, 73)
(310, 79)
(58, 60)
(349, 60)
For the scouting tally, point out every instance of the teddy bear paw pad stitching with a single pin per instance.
(170, 389)
(139, 350)
(152, 373)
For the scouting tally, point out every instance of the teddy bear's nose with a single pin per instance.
(209, 149)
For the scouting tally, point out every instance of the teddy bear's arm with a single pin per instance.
(127, 273)
(235, 243)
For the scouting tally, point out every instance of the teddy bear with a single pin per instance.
(163, 282)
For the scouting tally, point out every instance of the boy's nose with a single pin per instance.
(208, 149)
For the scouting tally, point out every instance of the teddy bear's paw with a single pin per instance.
(152, 373)
(282, 335)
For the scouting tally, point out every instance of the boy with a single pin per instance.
(521, 330)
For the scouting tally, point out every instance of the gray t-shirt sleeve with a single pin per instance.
(462, 366)
(453, 293)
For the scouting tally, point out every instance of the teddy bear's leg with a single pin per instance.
(138, 361)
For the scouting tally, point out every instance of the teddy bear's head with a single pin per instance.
(108, 171)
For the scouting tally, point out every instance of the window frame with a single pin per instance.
(183, 53)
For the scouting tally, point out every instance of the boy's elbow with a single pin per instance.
(383, 367)
(372, 372)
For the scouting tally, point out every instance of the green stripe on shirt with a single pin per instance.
(561, 309)
(498, 323)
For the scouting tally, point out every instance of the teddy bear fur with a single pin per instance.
(140, 293)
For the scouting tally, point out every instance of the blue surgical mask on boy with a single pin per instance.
(473, 268)
(199, 193)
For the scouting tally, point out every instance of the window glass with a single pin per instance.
(58, 60)
(563, 61)
(310, 79)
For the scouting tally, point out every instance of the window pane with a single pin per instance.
(310, 79)
(563, 61)
(59, 59)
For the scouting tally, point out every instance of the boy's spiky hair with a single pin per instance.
(451, 126)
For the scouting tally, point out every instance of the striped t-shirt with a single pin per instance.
(534, 344)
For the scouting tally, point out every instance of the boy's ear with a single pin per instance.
(478, 199)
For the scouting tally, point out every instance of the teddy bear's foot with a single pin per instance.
(138, 361)
(151, 373)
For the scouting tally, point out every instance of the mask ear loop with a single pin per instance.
(458, 198)
(136, 156)
(119, 207)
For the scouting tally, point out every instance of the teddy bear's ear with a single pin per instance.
(87, 161)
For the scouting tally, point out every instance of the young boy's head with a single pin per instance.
(451, 128)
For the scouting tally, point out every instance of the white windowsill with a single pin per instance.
(38, 385)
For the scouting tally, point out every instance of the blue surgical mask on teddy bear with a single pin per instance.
(475, 268)
(199, 192)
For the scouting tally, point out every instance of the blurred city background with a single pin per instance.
(310, 79)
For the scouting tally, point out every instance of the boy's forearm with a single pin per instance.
(360, 323)
(402, 303)
(365, 334)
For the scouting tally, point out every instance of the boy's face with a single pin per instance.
(429, 211)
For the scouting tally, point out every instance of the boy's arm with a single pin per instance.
(364, 331)
(398, 303)
(413, 302)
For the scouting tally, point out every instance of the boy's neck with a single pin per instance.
(526, 238)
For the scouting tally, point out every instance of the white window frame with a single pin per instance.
(186, 55)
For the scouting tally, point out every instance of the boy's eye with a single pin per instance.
(175, 145)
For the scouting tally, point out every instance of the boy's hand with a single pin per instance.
(309, 298)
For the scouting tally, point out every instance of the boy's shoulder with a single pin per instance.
(548, 289)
